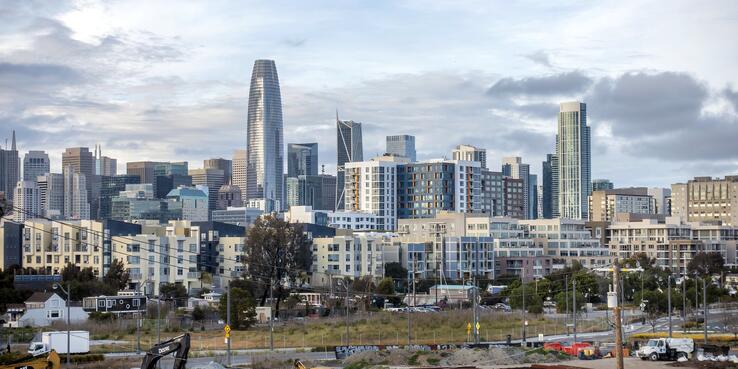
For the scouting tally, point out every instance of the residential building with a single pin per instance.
(110, 187)
(51, 191)
(353, 255)
(45, 308)
(79, 160)
(239, 171)
(706, 199)
(192, 202)
(223, 164)
(516, 253)
(662, 196)
(574, 158)
(356, 221)
(105, 166)
(424, 188)
(76, 205)
(492, 193)
(512, 192)
(302, 159)
(566, 241)
(265, 135)
(317, 191)
(349, 148)
(228, 196)
(9, 169)
(241, 216)
(137, 202)
(604, 205)
(213, 179)
(672, 242)
(470, 153)
(35, 164)
(550, 178)
(371, 186)
(513, 167)
(48, 246)
(602, 184)
(401, 145)
(27, 203)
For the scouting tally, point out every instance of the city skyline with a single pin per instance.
(144, 107)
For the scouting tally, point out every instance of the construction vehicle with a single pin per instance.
(50, 361)
(179, 346)
(666, 349)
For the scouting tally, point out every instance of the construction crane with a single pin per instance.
(50, 361)
(179, 346)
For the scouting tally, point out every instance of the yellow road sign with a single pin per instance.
(478, 326)
(468, 328)
(227, 330)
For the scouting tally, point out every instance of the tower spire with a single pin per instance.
(13, 143)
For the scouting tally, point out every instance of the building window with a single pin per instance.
(53, 314)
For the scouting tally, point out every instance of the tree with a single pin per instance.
(174, 291)
(243, 308)
(398, 274)
(564, 299)
(117, 275)
(277, 252)
(198, 314)
(706, 264)
(386, 287)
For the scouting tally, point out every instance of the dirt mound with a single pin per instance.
(462, 357)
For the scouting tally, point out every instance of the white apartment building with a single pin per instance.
(27, 201)
(566, 240)
(48, 246)
(371, 186)
(353, 255)
(352, 220)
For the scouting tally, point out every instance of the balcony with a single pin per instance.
(194, 275)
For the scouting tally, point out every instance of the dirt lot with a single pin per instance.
(463, 357)
(629, 363)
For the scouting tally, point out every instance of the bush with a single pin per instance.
(89, 358)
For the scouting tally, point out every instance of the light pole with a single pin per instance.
(69, 300)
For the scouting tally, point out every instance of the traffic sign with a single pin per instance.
(227, 330)
(478, 326)
(468, 328)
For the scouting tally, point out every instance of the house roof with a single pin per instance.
(40, 297)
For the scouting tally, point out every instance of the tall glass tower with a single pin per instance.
(349, 149)
(574, 161)
(265, 158)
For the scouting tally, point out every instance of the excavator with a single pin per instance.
(179, 346)
(50, 361)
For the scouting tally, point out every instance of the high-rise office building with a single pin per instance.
(513, 190)
(349, 149)
(574, 157)
(105, 166)
(225, 165)
(35, 163)
(111, 187)
(662, 196)
(239, 171)
(532, 196)
(165, 183)
(9, 170)
(513, 167)
(402, 145)
(264, 173)
(213, 179)
(602, 184)
(51, 192)
(143, 169)
(76, 205)
(317, 191)
(180, 168)
(26, 201)
(228, 196)
(302, 159)
(492, 193)
(550, 185)
(470, 153)
(707, 200)
(80, 160)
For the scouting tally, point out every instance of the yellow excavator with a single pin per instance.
(50, 361)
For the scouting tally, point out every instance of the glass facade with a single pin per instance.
(574, 166)
(302, 159)
(265, 134)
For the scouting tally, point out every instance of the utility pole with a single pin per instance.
(669, 298)
(704, 306)
(566, 298)
(574, 303)
(618, 319)
(158, 319)
(271, 314)
(684, 295)
(409, 310)
(522, 284)
(348, 312)
(228, 321)
(475, 318)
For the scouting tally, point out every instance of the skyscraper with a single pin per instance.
(51, 192)
(602, 184)
(213, 179)
(264, 172)
(239, 171)
(76, 205)
(403, 145)
(27, 201)
(302, 159)
(80, 160)
(35, 163)
(9, 170)
(223, 164)
(550, 193)
(513, 167)
(470, 153)
(104, 166)
(349, 149)
(574, 159)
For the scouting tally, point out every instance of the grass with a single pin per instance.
(697, 337)
(381, 328)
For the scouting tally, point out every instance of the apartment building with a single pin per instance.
(704, 199)
(516, 253)
(604, 205)
(371, 186)
(348, 254)
(48, 246)
(566, 240)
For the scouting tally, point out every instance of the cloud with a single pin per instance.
(36, 75)
(540, 57)
(558, 84)
(732, 97)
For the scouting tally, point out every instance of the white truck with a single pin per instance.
(79, 343)
(666, 349)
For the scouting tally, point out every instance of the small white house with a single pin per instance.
(43, 308)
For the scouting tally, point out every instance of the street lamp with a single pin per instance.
(69, 300)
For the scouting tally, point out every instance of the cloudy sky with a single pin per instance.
(168, 80)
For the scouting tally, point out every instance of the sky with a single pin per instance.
(169, 80)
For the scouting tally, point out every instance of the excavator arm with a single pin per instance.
(51, 361)
(179, 345)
